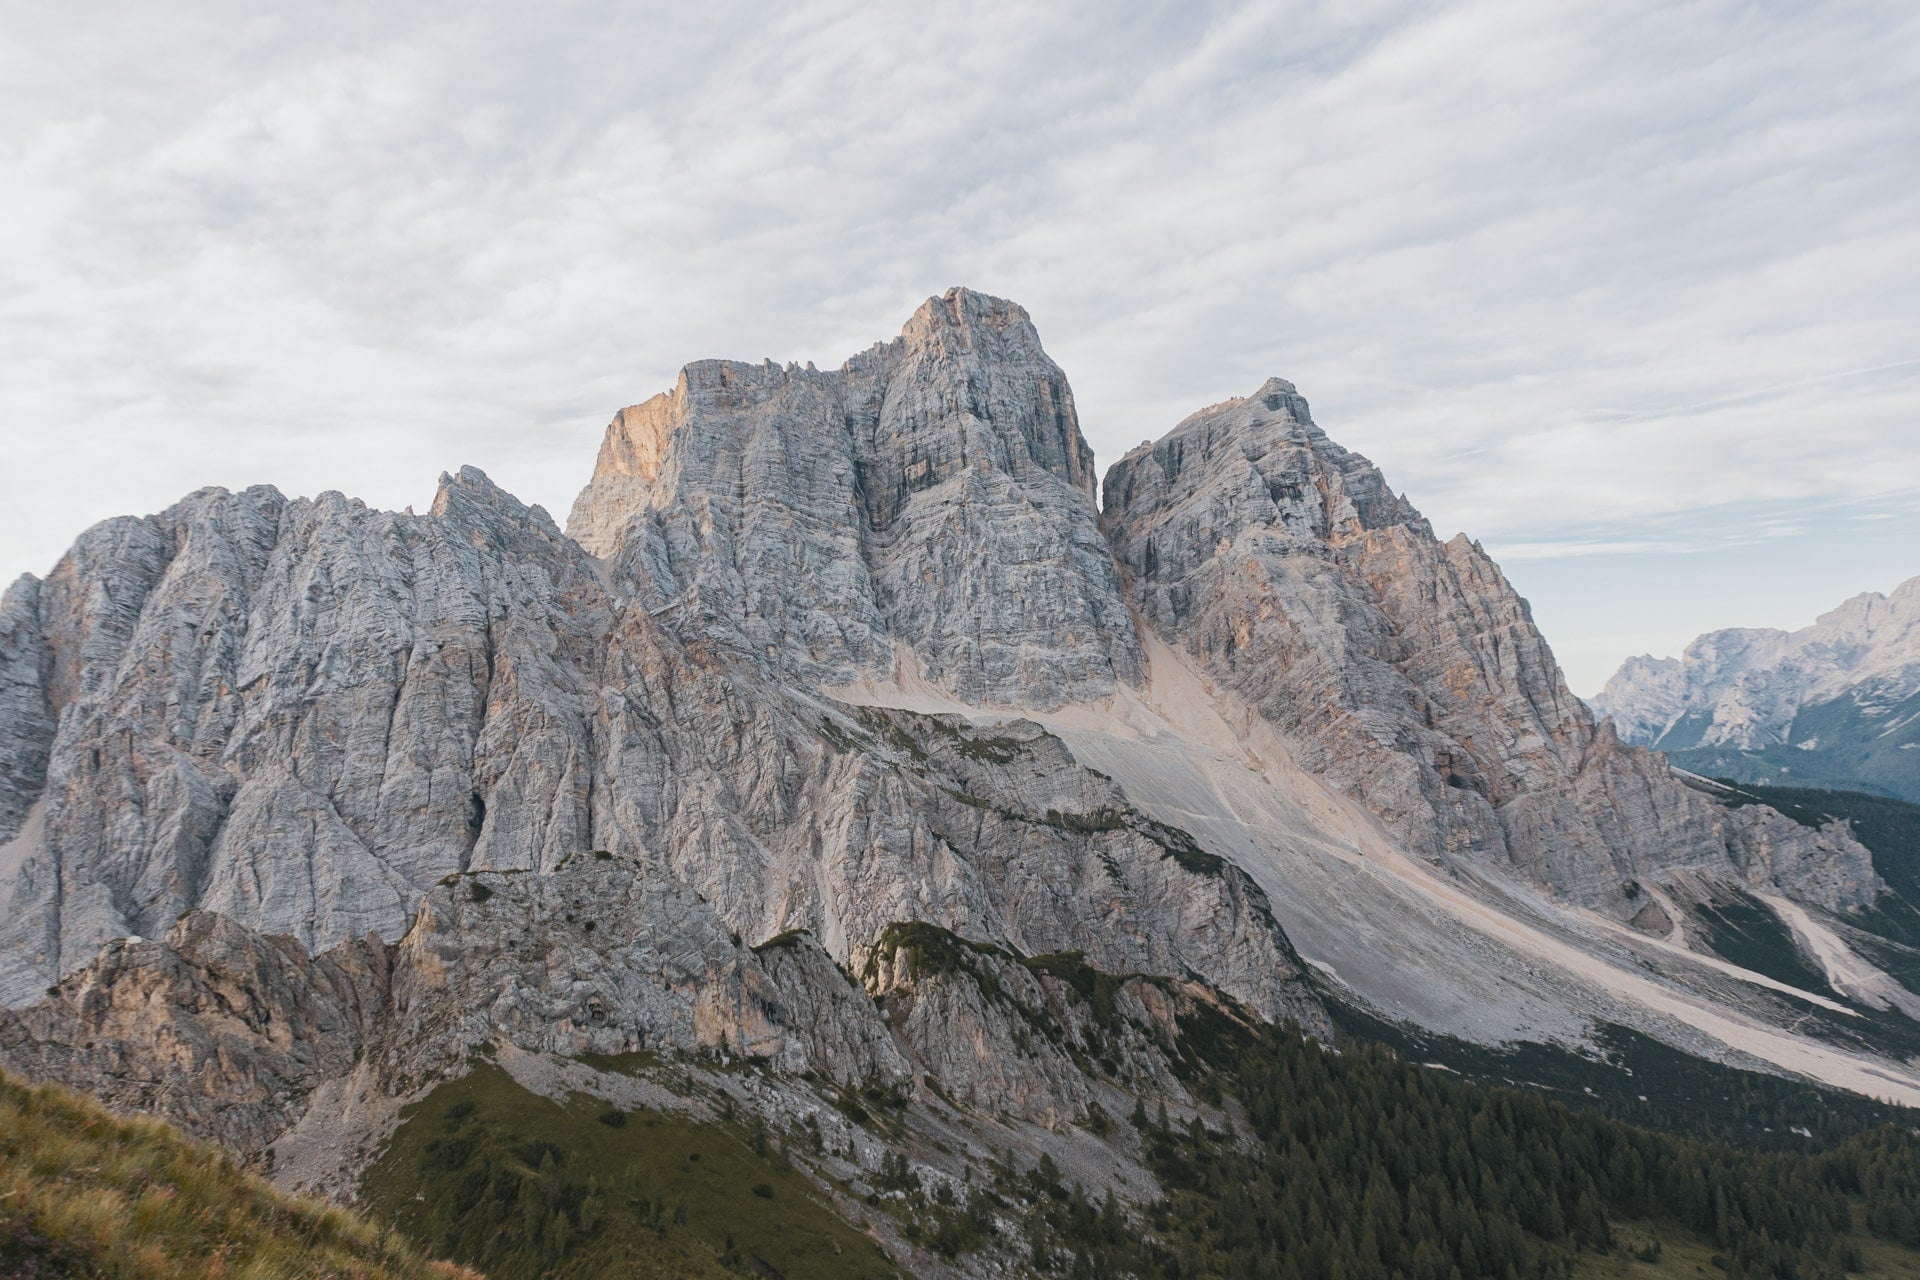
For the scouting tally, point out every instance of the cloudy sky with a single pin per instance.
(1629, 291)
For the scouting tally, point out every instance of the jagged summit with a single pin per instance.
(934, 492)
(1265, 455)
(1405, 667)
(1836, 703)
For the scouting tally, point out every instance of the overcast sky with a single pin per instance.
(1629, 291)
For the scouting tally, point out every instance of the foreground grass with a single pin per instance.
(84, 1193)
(525, 1187)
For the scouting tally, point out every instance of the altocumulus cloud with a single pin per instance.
(1624, 279)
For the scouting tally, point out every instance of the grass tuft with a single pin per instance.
(85, 1193)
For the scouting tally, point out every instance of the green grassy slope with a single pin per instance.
(84, 1193)
(523, 1187)
(1356, 1163)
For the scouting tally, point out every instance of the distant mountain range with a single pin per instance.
(1835, 704)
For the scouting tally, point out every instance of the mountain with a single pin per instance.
(844, 770)
(1835, 704)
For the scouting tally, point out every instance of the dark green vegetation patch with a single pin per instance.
(1742, 929)
(1889, 930)
(1632, 1077)
(1361, 1164)
(523, 1187)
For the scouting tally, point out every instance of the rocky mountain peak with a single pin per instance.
(470, 494)
(1253, 466)
(1407, 669)
(968, 317)
(968, 383)
(1835, 703)
(840, 672)
(934, 492)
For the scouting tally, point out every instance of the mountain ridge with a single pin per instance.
(1836, 702)
(848, 738)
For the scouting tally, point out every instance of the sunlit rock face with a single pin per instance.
(1409, 670)
(932, 493)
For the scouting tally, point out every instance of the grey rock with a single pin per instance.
(933, 492)
(26, 713)
(298, 713)
(229, 1033)
(394, 740)
(1408, 669)
(216, 1028)
(1836, 703)
(608, 956)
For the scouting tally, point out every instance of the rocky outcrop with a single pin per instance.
(607, 956)
(216, 1028)
(1037, 1037)
(1063, 862)
(26, 713)
(229, 1033)
(933, 492)
(1409, 670)
(1833, 704)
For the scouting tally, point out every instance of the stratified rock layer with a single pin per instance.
(215, 1027)
(296, 713)
(1409, 670)
(933, 492)
(230, 1033)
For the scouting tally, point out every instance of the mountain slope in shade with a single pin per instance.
(845, 736)
(1835, 704)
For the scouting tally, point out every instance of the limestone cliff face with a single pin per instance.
(229, 1033)
(215, 1027)
(294, 713)
(302, 714)
(26, 719)
(1409, 670)
(610, 956)
(933, 492)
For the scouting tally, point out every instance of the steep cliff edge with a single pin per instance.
(934, 492)
(296, 713)
(1410, 672)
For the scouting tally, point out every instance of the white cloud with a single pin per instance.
(1583, 279)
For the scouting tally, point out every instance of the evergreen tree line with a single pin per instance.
(1360, 1165)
